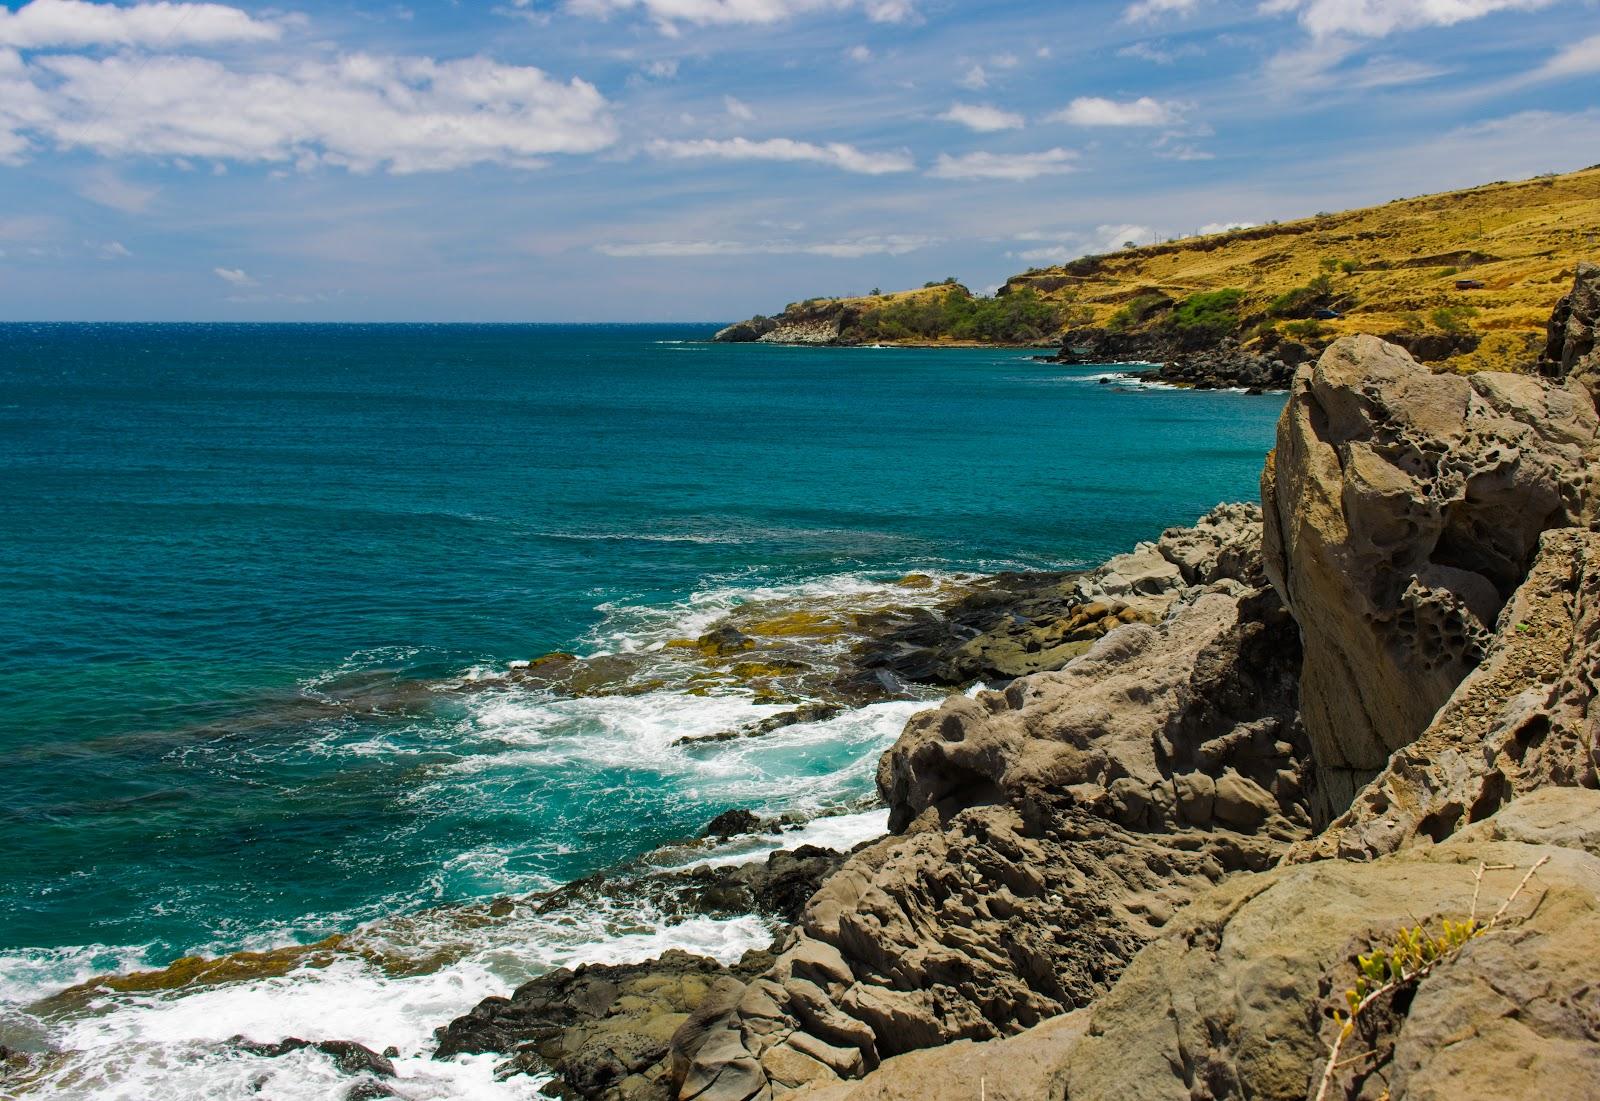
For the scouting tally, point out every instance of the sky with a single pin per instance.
(704, 160)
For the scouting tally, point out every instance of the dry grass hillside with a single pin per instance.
(1392, 268)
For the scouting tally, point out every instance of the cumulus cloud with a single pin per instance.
(54, 24)
(974, 79)
(850, 248)
(1097, 111)
(234, 277)
(113, 250)
(835, 154)
(1376, 18)
(982, 118)
(1005, 166)
(738, 109)
(362, 112)
(669, 13)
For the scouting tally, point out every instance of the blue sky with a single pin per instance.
(588, 160)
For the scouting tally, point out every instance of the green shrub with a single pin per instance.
(1206, 317)
(1300, 301)
(1306, 331)
(1452, 319)
(1138, 311)
(1021, 317)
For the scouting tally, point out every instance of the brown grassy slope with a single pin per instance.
(1521, 239)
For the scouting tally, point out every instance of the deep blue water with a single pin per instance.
(201, 527)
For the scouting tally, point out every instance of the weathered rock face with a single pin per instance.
(1570, 350)
(1235, 1000)
(744, 332)
(1402, 509)
(1048, 832)
(1524, 719)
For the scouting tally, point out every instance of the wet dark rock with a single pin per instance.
(732, 823)
(604, 1030)
(348, 1056)
(807, 713)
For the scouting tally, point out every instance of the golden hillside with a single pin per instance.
(1395, 264)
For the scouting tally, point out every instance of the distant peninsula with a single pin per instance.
(1463, 280)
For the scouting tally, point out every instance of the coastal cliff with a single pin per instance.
(1150, 871)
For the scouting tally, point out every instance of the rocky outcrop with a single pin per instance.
(1014, 624)
(1213, 364)
(1402, 509)
(1570, 347)
(604, 1030)
(1525, 719)
(1046, 833)
(819, 322)
(744, 332)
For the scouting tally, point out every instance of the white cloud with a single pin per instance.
(67, 23)
(974, 79)
(982, 118)
(105, 187)
(1376, 18)
(1097, 111)
(361, 112)
(1222, 227)
(1149, 10)
(664, 69)
(113, 250)
(1160, 53)
(738, 109)
(851, 248)
(836, 154)
(1005, 166)
(235, 277)
(860, 54)
(669, 13)
(1581, 57)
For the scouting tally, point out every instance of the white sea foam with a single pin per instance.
(175, 1046)
(838, 831)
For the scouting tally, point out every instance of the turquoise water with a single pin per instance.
(237, 561)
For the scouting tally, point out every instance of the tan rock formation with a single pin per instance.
(1235, 999)
(1524, 719)
(1048, 832)
(1402, 509)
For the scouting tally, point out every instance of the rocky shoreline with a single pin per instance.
(1149, 871)
(1206, 786)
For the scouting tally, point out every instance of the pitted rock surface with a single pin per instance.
(1402, 508)
(1525, 719)
(1046, 833)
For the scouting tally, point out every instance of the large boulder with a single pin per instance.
(1525, 719)
(1402, 508)
(1044, 834)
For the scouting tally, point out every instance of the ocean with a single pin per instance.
(263, 587)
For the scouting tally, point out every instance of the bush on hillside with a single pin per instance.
(1138, 311)
(1206, 318)
(1021, 317)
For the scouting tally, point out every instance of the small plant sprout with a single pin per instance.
(1409, 958)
